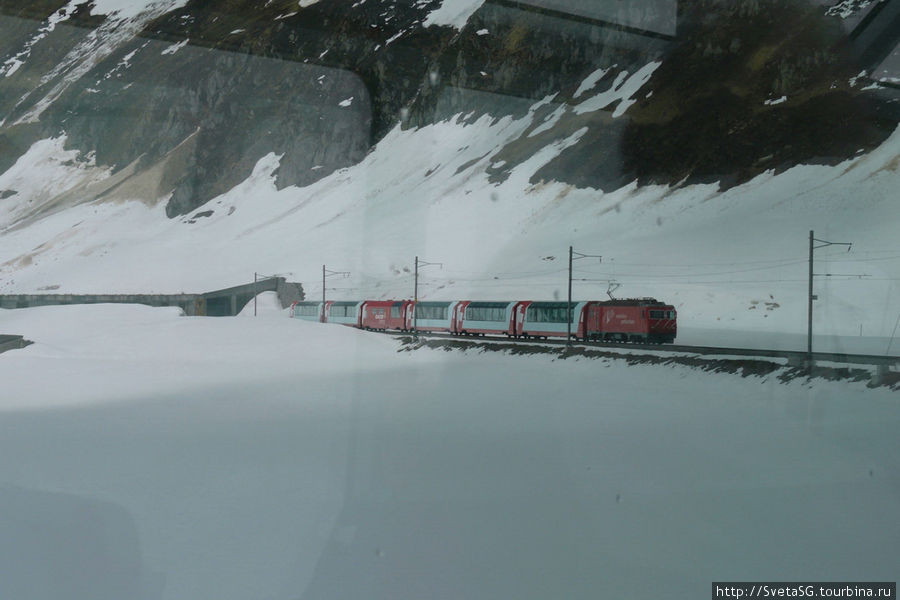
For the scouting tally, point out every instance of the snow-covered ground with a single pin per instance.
(154, 456)
(453, 12)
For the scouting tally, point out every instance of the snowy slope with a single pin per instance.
(453, 12)
(734, 259)
(275, 458)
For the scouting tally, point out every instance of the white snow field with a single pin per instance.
(153, 456)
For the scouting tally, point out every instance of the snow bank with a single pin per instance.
(127, 9)
(235, 458)
(454, 13)
(93, 354)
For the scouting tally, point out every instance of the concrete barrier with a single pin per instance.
(12, 342)
(230, 301)
(187, 302)
(218, 303)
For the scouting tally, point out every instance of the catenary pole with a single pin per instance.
(809, 308)
(416, 299)
(569, 304)
(809, 311)
(416, 290)
(325, 273)
(573, 256)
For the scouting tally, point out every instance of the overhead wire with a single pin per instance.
(695, 275)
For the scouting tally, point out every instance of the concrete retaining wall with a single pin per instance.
(219, 303)
(12, 342)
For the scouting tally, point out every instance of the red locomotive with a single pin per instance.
(637, 320)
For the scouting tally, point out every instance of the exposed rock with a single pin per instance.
(198, 95)
(751, 86)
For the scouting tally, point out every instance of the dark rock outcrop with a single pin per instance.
(319, 85)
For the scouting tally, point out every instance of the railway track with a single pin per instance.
(792, 356)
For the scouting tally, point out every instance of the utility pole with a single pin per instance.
(416, 290)
(259, 276)
(811, 296)
(569, 304)
(416, 298)
(572, 257)
(326, 272)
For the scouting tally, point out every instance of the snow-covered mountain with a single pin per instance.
(185, 145)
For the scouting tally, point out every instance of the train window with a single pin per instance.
(543, 314)
(482, 313)
(395, 312)
(431, 312)
(343, 311)
(662, 314)
(306, 310)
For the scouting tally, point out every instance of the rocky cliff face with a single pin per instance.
(181, 98)
(201, 92)
(753, 86)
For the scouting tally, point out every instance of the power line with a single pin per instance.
(711, 264)
(672, 275)
(500, 282)
(855, 278)
(866, 260)
(525, 273)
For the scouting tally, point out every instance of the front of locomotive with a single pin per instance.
(662, 326)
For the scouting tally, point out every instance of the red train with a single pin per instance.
(633, 320)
